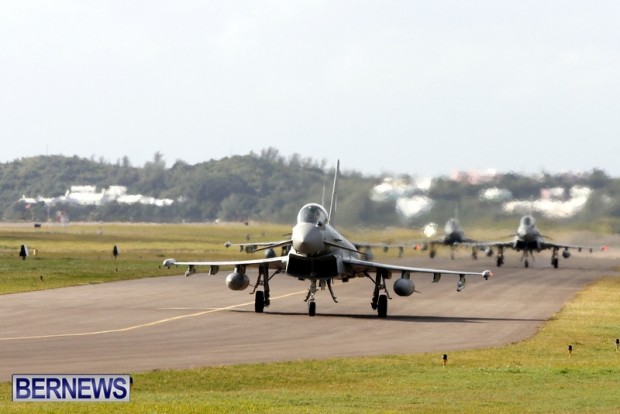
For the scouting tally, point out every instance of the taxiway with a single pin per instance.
(177, 322)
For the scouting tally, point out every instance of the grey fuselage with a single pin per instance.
(317, 247)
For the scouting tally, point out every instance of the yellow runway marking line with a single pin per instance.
(144, 325)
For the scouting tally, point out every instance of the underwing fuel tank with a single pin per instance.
(237, 281)
(404, 286)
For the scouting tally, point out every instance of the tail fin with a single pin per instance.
(332, 206)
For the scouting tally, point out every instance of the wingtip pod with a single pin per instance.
(487, 274)
(169, 263)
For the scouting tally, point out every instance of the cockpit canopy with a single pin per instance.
(312, 213)
(528, 221)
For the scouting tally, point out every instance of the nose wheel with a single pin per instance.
(526, 254)
(311, 308)
(312, 292)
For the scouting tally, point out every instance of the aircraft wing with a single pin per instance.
(543, 246)
(385, 247)
(251, 247)
(548, 245)
(483, 245)
(279, 263)
(363, 265)
(436, 242)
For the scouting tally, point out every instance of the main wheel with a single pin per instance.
(259, 301)
(526, 263)
(500, 261)
(555, 262)
(383, 305)
(311, 308)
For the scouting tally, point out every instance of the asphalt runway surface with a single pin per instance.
(178, 323)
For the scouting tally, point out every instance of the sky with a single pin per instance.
(407, 87)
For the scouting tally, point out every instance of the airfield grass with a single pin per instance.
(77, 254)
(69, 255)
(536, 375)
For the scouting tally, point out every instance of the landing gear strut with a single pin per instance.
(500, 256)
(555, 262)
(261, 297)
(379, 301)
(526, 254)
(312, 291)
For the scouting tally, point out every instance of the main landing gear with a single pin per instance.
(555, 262)
(500, 256)
(379, 301)
(261, 297)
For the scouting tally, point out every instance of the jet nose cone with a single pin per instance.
(307, 239)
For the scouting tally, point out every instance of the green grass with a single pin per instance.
(82, 253)
(536, 375)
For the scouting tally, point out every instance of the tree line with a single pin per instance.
(260, 187)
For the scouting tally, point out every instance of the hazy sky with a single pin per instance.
(412, 87)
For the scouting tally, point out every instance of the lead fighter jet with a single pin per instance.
(318, 253)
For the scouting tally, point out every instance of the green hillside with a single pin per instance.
(269, 188)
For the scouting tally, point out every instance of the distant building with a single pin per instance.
(87, 195)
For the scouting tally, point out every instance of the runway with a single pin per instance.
(177, 322)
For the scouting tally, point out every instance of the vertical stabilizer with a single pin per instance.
(332, 206)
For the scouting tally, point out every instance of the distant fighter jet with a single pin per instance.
(318, 253)
(528, 239)
(453, 236)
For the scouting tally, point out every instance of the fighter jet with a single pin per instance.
(453, 236)
(529, 239)
(318, 253)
